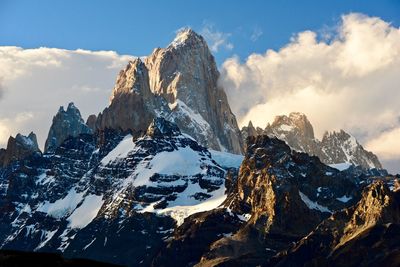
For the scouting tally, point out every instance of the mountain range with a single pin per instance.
(164, 177)
(334, 148)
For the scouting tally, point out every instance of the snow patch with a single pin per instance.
(227, 160)
(341, 166)
(182, 211)
(120, 151)
(63, 206)
(286, 128)
(48, 235)
(344, 199)
(313, 205)
(183, 161)
(86, 212)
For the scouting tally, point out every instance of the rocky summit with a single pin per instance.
(334, 148)
(66, 123)
(19, 148)
(180, 83)
(151, 181)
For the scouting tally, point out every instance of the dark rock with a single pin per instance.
(66, 123)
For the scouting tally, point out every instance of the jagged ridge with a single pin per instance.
(334, 148)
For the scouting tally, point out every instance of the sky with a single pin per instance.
(336, 61)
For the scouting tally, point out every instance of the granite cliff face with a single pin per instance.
(19, 148)
(334, 148)
(66, 123)
(180, 83)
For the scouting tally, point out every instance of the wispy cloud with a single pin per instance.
(216, 39)
(257, 32)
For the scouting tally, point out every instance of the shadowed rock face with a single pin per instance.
(66, 123)
(179, 82)
(336, 147)
(18, 148)
(362, 235)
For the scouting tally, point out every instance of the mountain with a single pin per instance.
(19, 148)
(334, 148)
(58, 201)
(175, 202)
(180, 83)
(281, 196)
(66, 123)
(148, 182)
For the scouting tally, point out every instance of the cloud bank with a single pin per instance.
(35, 82)
(347, 79)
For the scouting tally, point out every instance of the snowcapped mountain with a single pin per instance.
(334, 148)
(49, 198)
(148, 182)
(278, 198)
(178, 82)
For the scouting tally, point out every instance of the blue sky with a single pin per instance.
(136, 27)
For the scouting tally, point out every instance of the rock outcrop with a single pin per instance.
(132, 105)
(66, 123)
(334, 148)
(179, 82)
(19, 148)
(363, 235)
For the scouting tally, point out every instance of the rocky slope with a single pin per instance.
(178, 82)
(334, 148)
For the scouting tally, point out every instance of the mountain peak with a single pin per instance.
(335, 147)
(19, 148)
(71, 106)
(296, 121)
(65, 123)
(186, 36)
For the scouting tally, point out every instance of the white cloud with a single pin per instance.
(36, 82)
(11, 125)
(350, 82)
(216, 39)
(386, 145)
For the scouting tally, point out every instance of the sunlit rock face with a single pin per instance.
(334, 148)
(179, 82)
(66, 123)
